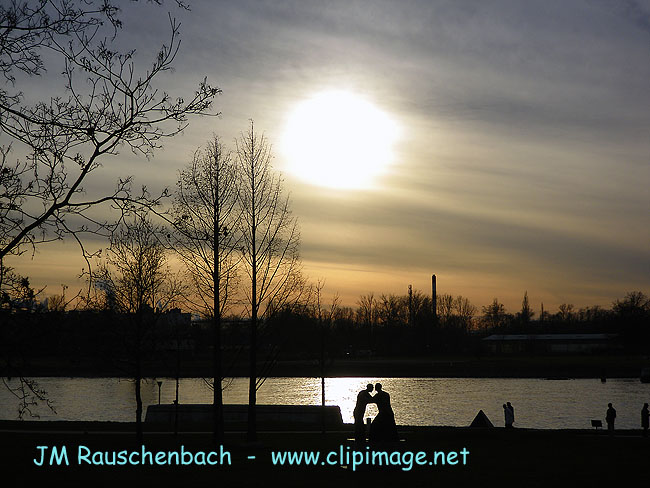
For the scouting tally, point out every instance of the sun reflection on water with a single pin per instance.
(416, 401)
(305, 391)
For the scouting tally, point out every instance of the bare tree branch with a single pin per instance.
(107, 105)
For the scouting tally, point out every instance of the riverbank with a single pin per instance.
(438, 366)
(522, 456)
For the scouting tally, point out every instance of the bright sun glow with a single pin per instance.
(338, 140)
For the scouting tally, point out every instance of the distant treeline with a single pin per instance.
(387, 325)
(397, 325)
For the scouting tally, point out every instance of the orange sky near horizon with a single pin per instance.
(63, 266)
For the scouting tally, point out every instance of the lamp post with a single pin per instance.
(159, 387)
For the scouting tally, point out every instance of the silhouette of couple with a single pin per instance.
(383, 427)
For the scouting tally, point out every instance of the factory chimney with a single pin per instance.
(433, 299)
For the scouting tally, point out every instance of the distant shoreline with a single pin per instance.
(544, 367)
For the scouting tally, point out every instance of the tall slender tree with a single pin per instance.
(526, 313)
(205, 213)
(269, 245)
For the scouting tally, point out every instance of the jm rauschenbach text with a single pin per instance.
(343, 456)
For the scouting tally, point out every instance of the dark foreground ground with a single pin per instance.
(519, 457)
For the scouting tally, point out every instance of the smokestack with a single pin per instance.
(433, 297)
(411, 305)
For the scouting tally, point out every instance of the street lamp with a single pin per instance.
(159, 386)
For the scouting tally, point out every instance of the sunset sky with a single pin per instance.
(502, 145)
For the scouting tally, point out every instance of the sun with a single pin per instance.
(338, 139)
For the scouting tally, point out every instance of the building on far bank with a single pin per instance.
(550, 343)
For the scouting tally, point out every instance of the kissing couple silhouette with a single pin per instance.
(383, 427)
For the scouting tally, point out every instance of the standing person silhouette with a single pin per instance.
(363, 399)
(645, 419)
(509, 416)
(610, 417)
(383, 427)
(512, 412)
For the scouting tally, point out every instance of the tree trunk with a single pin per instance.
(252, 385)
(218, 428)
(138, 379)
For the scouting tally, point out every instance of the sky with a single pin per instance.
(517, 156)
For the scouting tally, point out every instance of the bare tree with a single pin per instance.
(29, 393)
(456, 318)
(367, 313)
(16, 293)
(140, 285)
(526, 313)
(465, 311)
(60, 303)
(445, 307)
(421, 307)
(633, 316)
(269, 244)
(494, 315)
(565, 312)
(392, 310)
(205, 213)
(27, 27)
(634, 304)
(107, 103)
(324, 316)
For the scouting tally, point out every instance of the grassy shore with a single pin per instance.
(522, 456)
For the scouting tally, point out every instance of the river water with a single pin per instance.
(539, 403)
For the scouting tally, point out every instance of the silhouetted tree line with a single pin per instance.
(387, 325)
